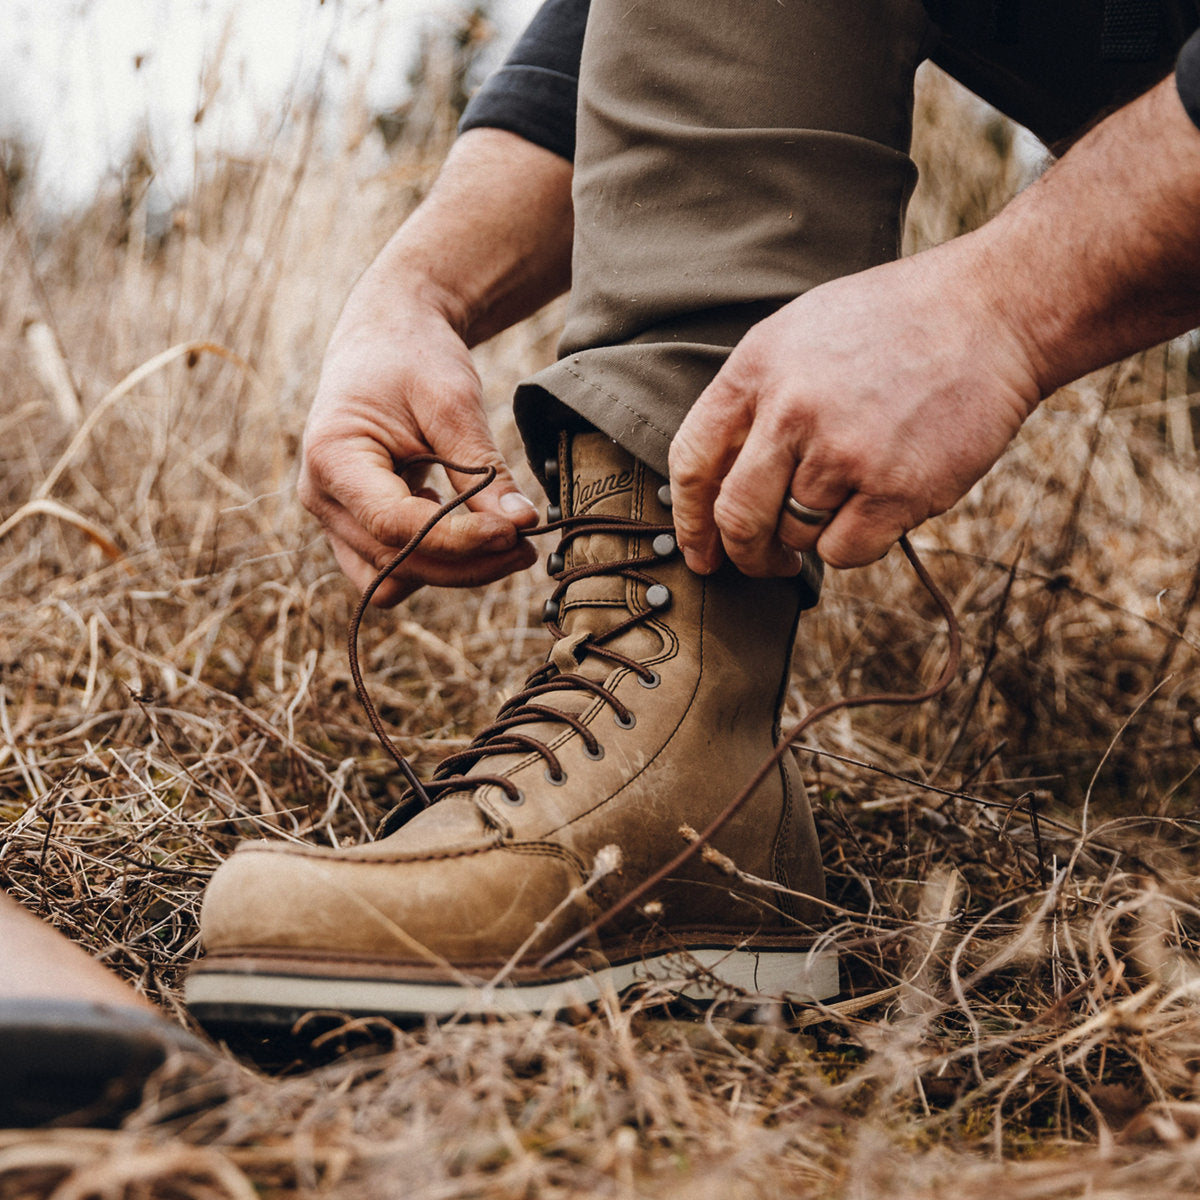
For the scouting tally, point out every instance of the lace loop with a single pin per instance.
(503, 736)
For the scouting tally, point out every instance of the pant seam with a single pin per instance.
(617, 400)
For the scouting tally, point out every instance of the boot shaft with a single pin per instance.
(748, 624)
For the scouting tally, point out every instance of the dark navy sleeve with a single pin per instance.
(1187, 76)
(533, 93)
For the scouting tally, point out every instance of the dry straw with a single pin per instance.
(1020, 1016)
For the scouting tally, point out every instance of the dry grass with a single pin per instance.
(1011, 870)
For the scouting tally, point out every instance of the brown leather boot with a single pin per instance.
(659, 700)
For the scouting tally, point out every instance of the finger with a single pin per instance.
(819, 495)
(417, 571)
(864, 529)
(453, 540)
(359, 497)
(360, 572)
(463, 437)
(747, 509)
(701, 454)
(502, 498)
(360, 476)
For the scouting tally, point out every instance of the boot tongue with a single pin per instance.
(600, 481)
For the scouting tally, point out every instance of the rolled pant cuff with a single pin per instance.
(599, 386)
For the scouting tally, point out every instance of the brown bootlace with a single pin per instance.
(502, 736)
(549, 677)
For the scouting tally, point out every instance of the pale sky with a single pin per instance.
(75, 92)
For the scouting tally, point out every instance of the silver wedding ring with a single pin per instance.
(806, 515)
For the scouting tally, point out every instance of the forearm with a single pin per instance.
(1101, 256)
(489, 245)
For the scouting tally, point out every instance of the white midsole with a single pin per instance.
(702, 974)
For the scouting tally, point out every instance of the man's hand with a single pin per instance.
(886, 395)
(874, 395)
(393, 388)
(489, 245)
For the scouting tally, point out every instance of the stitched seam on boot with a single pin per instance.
(542, 849)
(784, 836)
(546, 849)
(385, 860)
(568, 605)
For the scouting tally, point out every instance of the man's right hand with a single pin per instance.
(394, 386)
(489, 245)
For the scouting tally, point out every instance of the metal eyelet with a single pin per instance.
(555, 780)
(628, 722)
(553, 513)
(550, 470)
(550, 611)
(555, 564)
(594, 756)
(658, 596)
(664, 495)
(517, 800)
(653, 682)
(664, 545)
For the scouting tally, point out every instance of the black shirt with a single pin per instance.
(533, 93)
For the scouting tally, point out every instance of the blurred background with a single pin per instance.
(92, 83)
(187, 193)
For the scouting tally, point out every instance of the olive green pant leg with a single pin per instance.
(730, 156)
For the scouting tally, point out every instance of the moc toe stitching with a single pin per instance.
(390, 859)
(549, 850)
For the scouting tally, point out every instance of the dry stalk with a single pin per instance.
(1020, 1013)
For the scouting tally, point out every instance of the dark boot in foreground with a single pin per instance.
(659, 700)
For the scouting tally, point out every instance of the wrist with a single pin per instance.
(488, 246)
(398, 293)
(1098, 258)
(979, 331)
(1008, 311)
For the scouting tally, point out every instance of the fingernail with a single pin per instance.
(516, 504)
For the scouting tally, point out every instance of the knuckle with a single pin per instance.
(745, 367)
(737, 525)
(322, 450)
(841, 559)
(683, 461)
(864, 535)
(688, 529)
(379, 557)
(382, 522)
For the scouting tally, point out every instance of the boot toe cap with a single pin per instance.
(483, 905)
